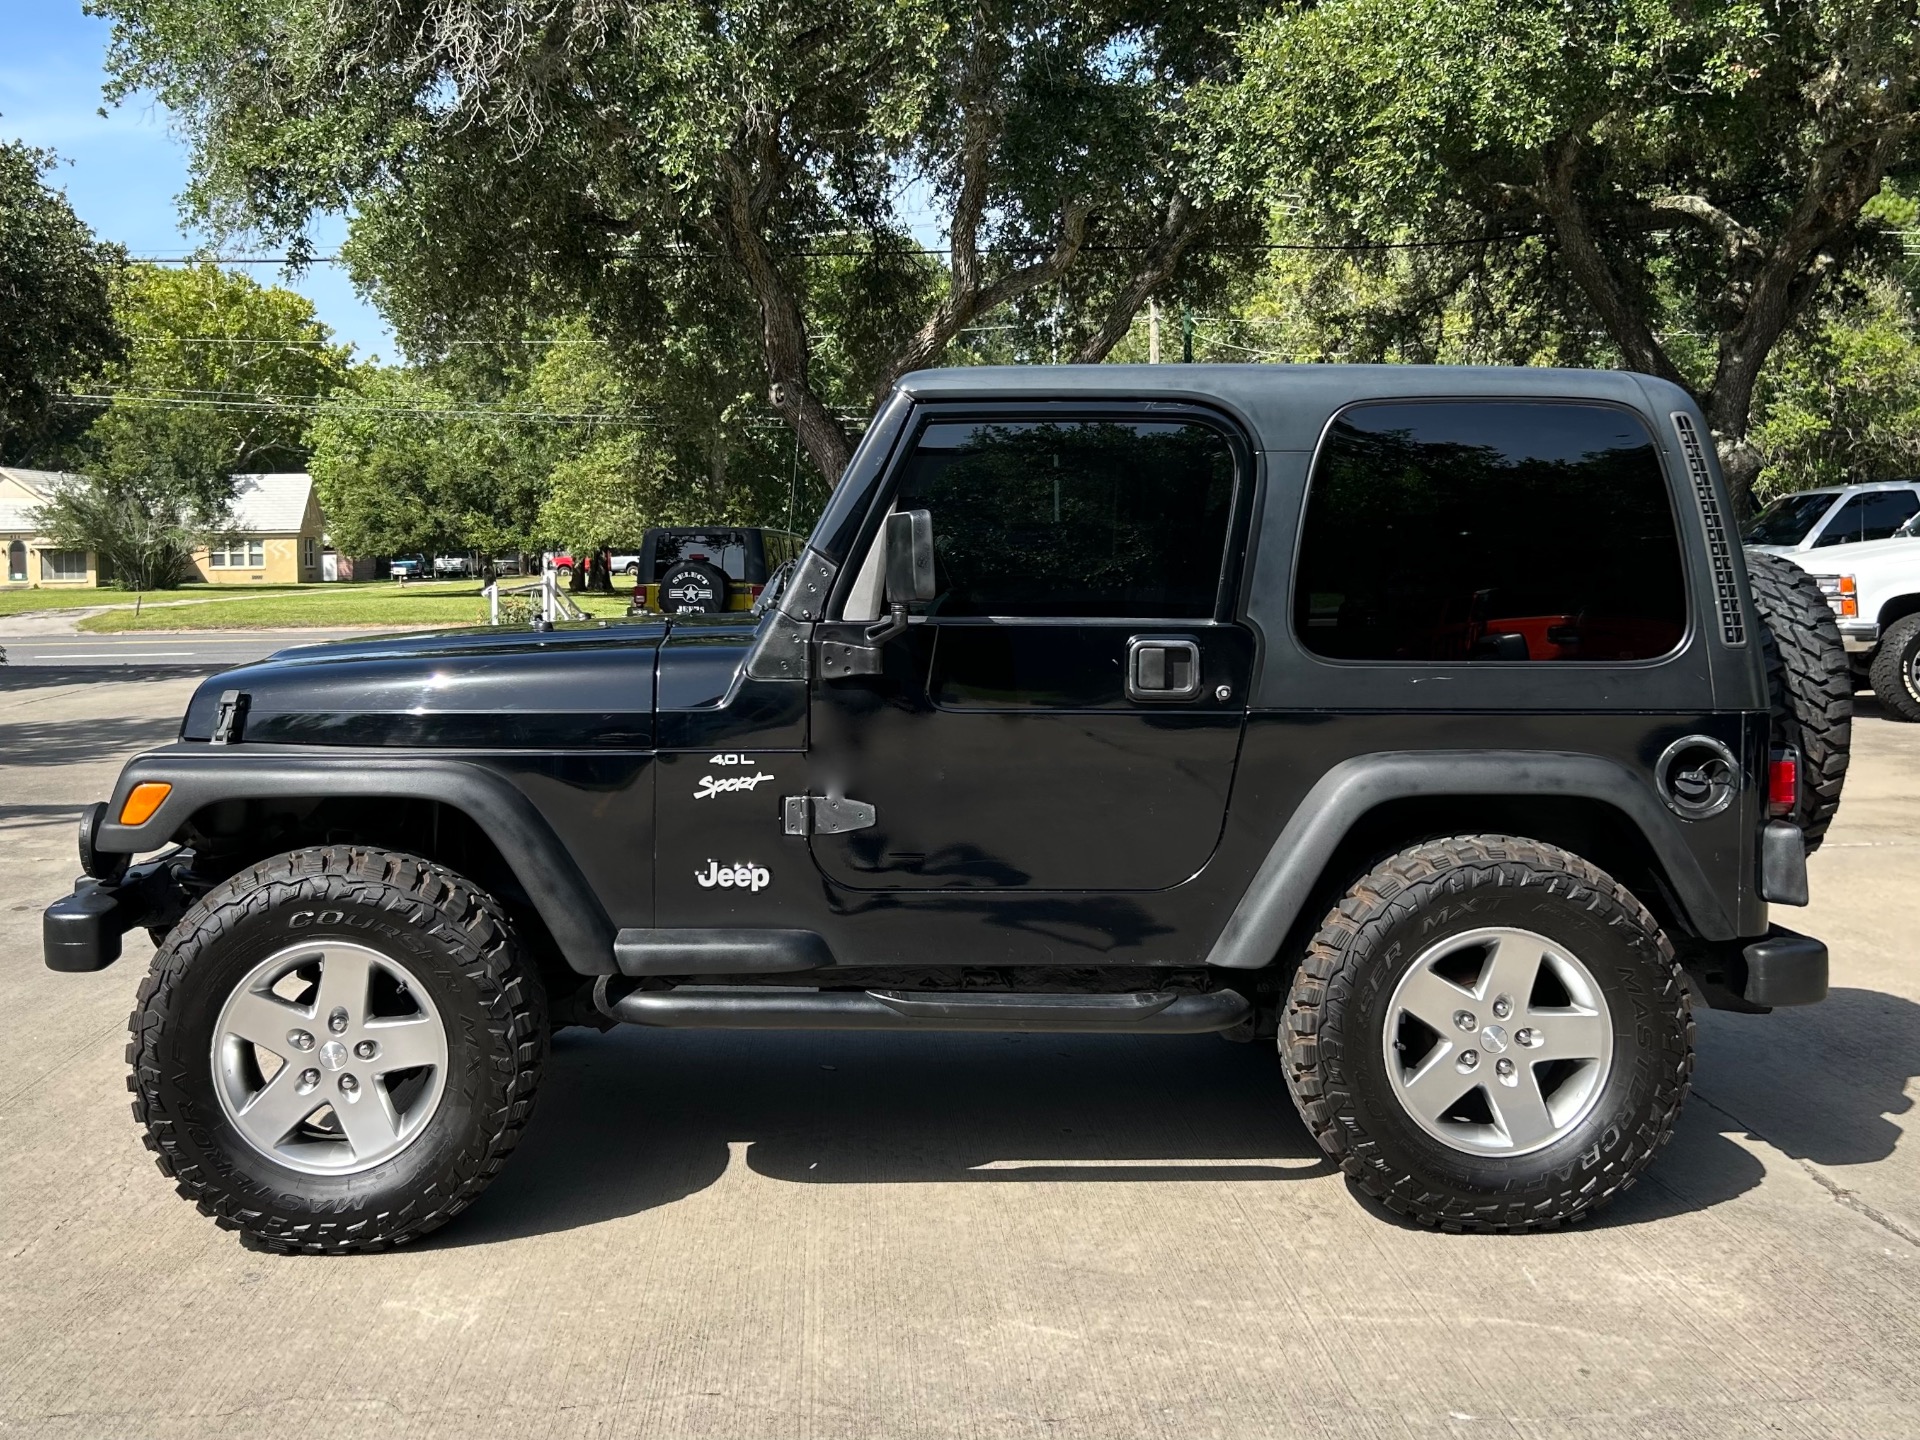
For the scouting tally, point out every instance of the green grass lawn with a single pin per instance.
(80, 597)
(451, 602)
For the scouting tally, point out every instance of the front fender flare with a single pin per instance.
(1285, 880)
(545, 869)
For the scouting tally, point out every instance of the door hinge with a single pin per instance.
(824, 815)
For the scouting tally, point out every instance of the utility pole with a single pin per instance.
(1153, 331)
(1186, 334)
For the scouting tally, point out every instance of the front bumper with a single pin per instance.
(1781, 968)
(1859, 636)
(82, 931)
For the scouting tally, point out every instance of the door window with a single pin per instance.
(1468, 531)
(1077, 518)
(1871, 515)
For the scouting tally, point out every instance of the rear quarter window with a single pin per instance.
(1474, 531)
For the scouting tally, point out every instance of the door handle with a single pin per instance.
(1162, 667)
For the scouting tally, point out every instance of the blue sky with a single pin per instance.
(121, 173)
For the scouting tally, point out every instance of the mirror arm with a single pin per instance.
(886, 629)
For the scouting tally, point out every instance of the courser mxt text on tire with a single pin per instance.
(1810, 683)
(1414, 1033)
(337, 1049)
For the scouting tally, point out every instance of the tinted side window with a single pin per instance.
(1489, 530)
(1122, 518)
(1874, 515)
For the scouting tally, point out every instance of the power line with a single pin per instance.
(233, 401)
(877, 252)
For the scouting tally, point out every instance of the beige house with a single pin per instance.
(30, 559)
(278, 529)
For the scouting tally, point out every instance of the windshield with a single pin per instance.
(1787, 520)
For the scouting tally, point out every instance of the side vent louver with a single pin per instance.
(1726, 586)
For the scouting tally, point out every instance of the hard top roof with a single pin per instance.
(1288, 405)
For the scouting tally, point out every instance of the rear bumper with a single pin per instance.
(82, 931)
(1781, 968)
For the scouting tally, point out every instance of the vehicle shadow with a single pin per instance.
(26, 675)
(636, 1119)
(69, 742)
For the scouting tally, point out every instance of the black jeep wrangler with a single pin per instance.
(1430, 721)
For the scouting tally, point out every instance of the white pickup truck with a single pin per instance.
(1874, 589)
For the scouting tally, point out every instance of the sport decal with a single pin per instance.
(710, 786)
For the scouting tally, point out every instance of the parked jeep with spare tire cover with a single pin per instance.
(1427, 723)
(704, 569)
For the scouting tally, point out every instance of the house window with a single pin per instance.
(309, 554)
(17, 561)
(63, 565)
(241, 555)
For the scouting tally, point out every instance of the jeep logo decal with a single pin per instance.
(744, 877)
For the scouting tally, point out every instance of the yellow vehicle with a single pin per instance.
(702, 569)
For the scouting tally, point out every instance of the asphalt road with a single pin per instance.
(818, 1235)
(198, 650)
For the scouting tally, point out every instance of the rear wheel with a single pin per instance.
(1810, 684)
(1488, 1033)
(1895, 674)
(337, 1049)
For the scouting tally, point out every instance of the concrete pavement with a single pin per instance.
(847, 1235)
(198, 649)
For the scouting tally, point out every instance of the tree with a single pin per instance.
(1697, 175)
(56, 314)
(406, 463)
(626, 158)
(220, 378)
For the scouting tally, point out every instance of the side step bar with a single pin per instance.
(782, 1008)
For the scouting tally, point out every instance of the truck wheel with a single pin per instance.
(1488, 1034)
(337, 1049)
(1810, 682)
(1896, 668)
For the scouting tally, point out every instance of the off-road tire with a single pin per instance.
(449, 934)
(1809, 683)
(1893, 672)
(1330, 1036)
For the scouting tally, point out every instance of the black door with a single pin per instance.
(1066, 715)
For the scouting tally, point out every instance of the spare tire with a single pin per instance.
(1809, 682)
(692, 587)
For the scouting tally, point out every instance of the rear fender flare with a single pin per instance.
(1286, 879)
(546, 871)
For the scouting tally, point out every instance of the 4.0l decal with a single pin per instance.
(741, 877)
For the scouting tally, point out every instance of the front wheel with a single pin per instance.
(1895, 674)
(337, 1049)
(1488, 1033)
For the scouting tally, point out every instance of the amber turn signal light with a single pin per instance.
(144, 799)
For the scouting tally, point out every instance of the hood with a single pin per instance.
(588, 684)
(1845, 559)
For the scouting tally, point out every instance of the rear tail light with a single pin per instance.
(1783, 782)
(1842, 595)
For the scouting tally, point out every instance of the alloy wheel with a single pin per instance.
(1498, 1041)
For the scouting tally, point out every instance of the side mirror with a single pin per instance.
(910, 557)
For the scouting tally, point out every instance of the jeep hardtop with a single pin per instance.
(1427, 722)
